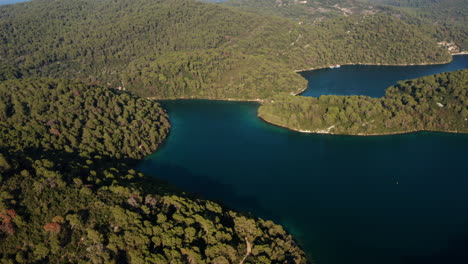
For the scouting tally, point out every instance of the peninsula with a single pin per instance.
(436, 103)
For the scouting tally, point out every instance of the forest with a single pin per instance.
(309, 12)
(187, 49)
(435, 103)
(68, 115)
(69, 192)
(444, 20)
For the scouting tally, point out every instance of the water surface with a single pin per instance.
(7, 2)
(364, 200)
(370, 80)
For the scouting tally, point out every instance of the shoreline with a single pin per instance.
(299, 92)
(319, 132)
(360, 134)
(384, 64)
(258, 100)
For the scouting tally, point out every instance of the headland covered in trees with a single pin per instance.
(435, 103)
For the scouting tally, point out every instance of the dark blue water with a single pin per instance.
(370, 80)
(7, 2)
(364, 200)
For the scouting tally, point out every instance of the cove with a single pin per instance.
(367, 200)
(370, 80)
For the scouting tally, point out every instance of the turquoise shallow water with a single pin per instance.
(367, 200)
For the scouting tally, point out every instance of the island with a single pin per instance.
(433, 103)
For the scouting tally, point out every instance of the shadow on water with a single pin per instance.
(197, 184)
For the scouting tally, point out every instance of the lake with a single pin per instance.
(347, 80)
(346, 199)
(7, 2)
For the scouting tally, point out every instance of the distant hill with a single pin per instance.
(445, 20)
(184, 49)
(448, 18)
(410, 3)
(309, 11)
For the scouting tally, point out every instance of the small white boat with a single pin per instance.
(336, 66)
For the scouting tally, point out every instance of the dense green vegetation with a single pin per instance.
(71, 116)
(437, 103)
(69, 193)
(183, 48)
(61, 208)
(8, 72)
(444, 20)
(411, 3)
(309, 12)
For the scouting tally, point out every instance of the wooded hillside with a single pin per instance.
(183, 48)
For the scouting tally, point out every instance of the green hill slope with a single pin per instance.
(444, 20)
(310, 11)
(182, 48)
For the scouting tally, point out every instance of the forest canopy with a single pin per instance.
(437, 103)
(185, 49)
(444, 20)
(69, 115)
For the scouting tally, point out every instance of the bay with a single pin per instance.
(346, 199)
(370, 80)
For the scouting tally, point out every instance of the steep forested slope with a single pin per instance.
(444, 20)
(412, 3)
(69, 193)
(310, 11)
(437, 102)
(183, 48)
